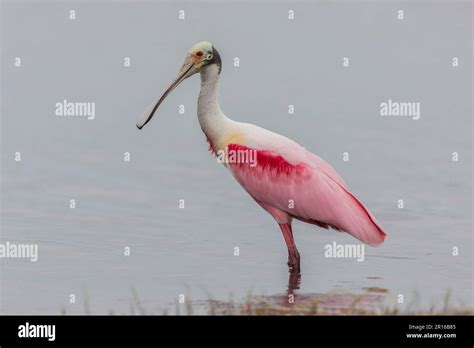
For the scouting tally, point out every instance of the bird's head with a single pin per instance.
(198, 57)
(203, 54)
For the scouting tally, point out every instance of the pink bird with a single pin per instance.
(284, 178)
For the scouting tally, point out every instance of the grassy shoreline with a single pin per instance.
(373, 301)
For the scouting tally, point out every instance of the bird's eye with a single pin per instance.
(199, 53)
(209, 56)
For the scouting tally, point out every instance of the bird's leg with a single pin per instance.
(293, 254)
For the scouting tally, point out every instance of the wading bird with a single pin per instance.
(285, 179)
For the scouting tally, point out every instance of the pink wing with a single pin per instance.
(287, 172)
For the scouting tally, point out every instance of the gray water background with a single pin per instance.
(190, 251)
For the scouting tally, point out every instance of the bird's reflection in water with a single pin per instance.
(365, 301)
(337, 302)
(294, 281)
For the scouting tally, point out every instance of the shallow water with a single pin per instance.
(191, 251)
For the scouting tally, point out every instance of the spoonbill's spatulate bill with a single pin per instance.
(284, 178)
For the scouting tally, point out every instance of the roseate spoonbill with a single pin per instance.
(287, 180)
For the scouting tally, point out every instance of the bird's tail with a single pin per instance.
(366, 228)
